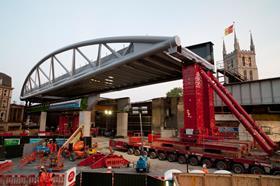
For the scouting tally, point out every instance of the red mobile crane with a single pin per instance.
(199, 142)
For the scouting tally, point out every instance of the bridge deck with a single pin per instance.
(143, 61)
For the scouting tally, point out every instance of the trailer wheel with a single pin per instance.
(193, 161)
(171, 157)
(144, 153)
(130, 151)
(153, 155)
(207, 162)
(182, 159)
(237, 168)
(256, 170)
(161, 156)
(221, 165)
(137, 152)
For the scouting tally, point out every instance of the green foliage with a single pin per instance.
(175, 92)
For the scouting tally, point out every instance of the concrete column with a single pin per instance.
(22, 115)
(43, 120)
(92, 101)
(27, 120)
(158, 114)
(84, 119)
(122, 122)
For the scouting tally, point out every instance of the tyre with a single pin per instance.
(237, 168)
(153, 155)
(147, 170)
(221, 165)
(182, 159)
(144, 153)
(130, 151)
(161, 156)
(256, 170)
(171, 157)
(207, 162)
(137, 152)
(193, 161)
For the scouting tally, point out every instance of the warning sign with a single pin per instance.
(70, 177)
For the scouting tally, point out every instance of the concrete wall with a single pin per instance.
(158, 114)
(180, 113)
(165, 113)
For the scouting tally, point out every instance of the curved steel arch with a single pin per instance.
(142, 52)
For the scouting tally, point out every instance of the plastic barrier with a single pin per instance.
(32, 180)
(58, 180)
(6, 166)
(28, 180)
(115, 162)
(15, 180)
(2, 178)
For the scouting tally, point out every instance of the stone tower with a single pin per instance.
(241, 62)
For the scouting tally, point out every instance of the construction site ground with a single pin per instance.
(157, 167)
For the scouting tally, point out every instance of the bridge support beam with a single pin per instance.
(43, 120)
(84, 119)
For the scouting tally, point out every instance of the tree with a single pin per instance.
(175, 92)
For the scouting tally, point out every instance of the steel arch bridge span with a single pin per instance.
(107, 64)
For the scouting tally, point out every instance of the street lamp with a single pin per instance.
(107, 113)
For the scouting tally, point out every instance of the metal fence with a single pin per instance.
(27, 180)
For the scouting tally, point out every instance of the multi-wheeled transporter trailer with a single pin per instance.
(199, 141)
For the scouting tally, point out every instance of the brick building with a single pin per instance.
(5, 96)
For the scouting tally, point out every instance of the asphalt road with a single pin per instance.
(157, 167)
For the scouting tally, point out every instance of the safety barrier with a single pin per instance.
(32, 180)
(28, 180)
(58, 180)
(116, 162)
(15, 180)
(6, 166)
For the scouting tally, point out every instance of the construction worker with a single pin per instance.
(109, 169)
(45, 178)
(50, 146)
(54, 146)
(204, 169)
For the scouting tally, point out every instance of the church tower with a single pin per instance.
(240, 63)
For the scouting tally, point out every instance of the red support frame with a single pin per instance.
(199, 117)
(239, 113)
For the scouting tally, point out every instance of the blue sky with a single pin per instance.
(31, 29)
